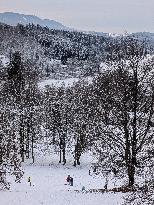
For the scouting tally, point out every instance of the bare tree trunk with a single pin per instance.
(77, 154)
(60, 148)
(21, 143)
(27, 142)
(64, 146)
(1, 155)
(33, 147)
(64, 158)
(60, 156)
(131, 174)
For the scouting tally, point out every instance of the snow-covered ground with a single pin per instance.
(48, 187)
(68, 82)
(4, 60)
(58, 83)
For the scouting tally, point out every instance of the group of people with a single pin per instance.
(69, 180)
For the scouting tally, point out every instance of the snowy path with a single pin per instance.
(48, 188)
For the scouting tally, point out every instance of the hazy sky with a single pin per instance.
(99, 15)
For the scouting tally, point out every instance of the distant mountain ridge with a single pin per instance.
(13, 19)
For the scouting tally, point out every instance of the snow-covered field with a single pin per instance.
(58, 83)
(48, 187)
(68, 82)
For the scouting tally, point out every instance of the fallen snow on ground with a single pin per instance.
(4, 60)
(58, 83)
(68, 82)
(48, 187)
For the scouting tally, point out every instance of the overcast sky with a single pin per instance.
(114, 16)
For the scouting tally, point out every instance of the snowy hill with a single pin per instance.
(57, 54)
(49, 185)
(48, 188)
(13, 19)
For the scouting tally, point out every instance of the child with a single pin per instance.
(71, 181)
(29, 180)
(68, 179)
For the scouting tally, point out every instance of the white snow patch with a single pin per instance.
(24, 18)
(104, 67)
(68, 82)
(4, 60)
(58, 83)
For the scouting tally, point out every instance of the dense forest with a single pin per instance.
(112, 115)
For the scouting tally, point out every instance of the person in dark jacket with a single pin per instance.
(68, 179)
(71, 181)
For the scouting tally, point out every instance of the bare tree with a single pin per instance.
(126, 99)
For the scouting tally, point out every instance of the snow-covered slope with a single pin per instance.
(48, 189)
(49, 186)
(11, 18)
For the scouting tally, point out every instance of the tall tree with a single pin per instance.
(125, 96)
